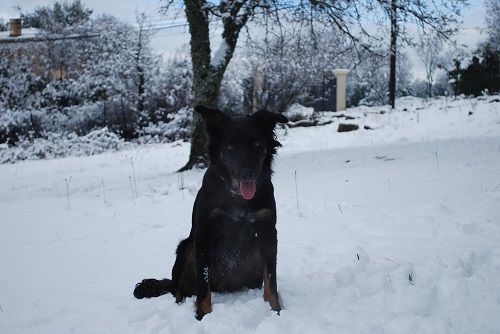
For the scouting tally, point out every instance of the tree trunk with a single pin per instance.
(140, 72)
(392, 73)
(205, 86)
(207, 77)
(140, 89)
(206, 92)
(457, 77)
(429, 87)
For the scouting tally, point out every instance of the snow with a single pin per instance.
(220, 55)
(414, 120)
(396, 230)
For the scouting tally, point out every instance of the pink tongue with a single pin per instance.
(247, 189)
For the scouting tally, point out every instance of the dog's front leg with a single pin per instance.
(203, 293)
(268, 249)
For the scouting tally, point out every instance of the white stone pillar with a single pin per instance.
(341, 75)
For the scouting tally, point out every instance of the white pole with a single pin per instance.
(341, 75)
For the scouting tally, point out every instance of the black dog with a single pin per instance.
(233, 241)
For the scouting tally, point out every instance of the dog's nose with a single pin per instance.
(247, 175)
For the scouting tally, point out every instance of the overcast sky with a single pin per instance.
(168, 41)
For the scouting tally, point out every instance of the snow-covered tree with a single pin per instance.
(169, 88)
(3, 25)
(430, 53)
(369, 79)
(349, 17)
(492, 22)
(20, 94)
(287, 67)
(59, 18)
(76, 85)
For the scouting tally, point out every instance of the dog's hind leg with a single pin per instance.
(151, 287)
(183, 272)
(202, 272)
(268, 248)
(183, 277)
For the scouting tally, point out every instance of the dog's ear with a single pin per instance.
(269, 118)
(214, 119)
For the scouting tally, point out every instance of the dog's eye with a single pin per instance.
(230, 147)
(256, 144)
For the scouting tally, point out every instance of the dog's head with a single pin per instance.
(242, 148)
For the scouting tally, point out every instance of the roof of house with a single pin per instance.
(27, 33)
(38, 35)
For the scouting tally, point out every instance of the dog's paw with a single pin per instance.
(274, 302)
(200, 313)
(203, 308)
(276, 307)
(142, 288)
(179, 299)
(199, 316)
(150, 288)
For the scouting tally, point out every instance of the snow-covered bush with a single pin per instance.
(298, 112)
(170, 89)
(178, 127)
(442, 84)
(17, 124)
(54, 145)
(419, 88)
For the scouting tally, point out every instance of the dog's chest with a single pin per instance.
(234, 243)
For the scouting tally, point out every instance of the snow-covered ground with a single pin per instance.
(397, 230)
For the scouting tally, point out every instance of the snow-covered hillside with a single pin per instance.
(396, 230)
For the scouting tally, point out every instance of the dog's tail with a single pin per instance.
(151, 287)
